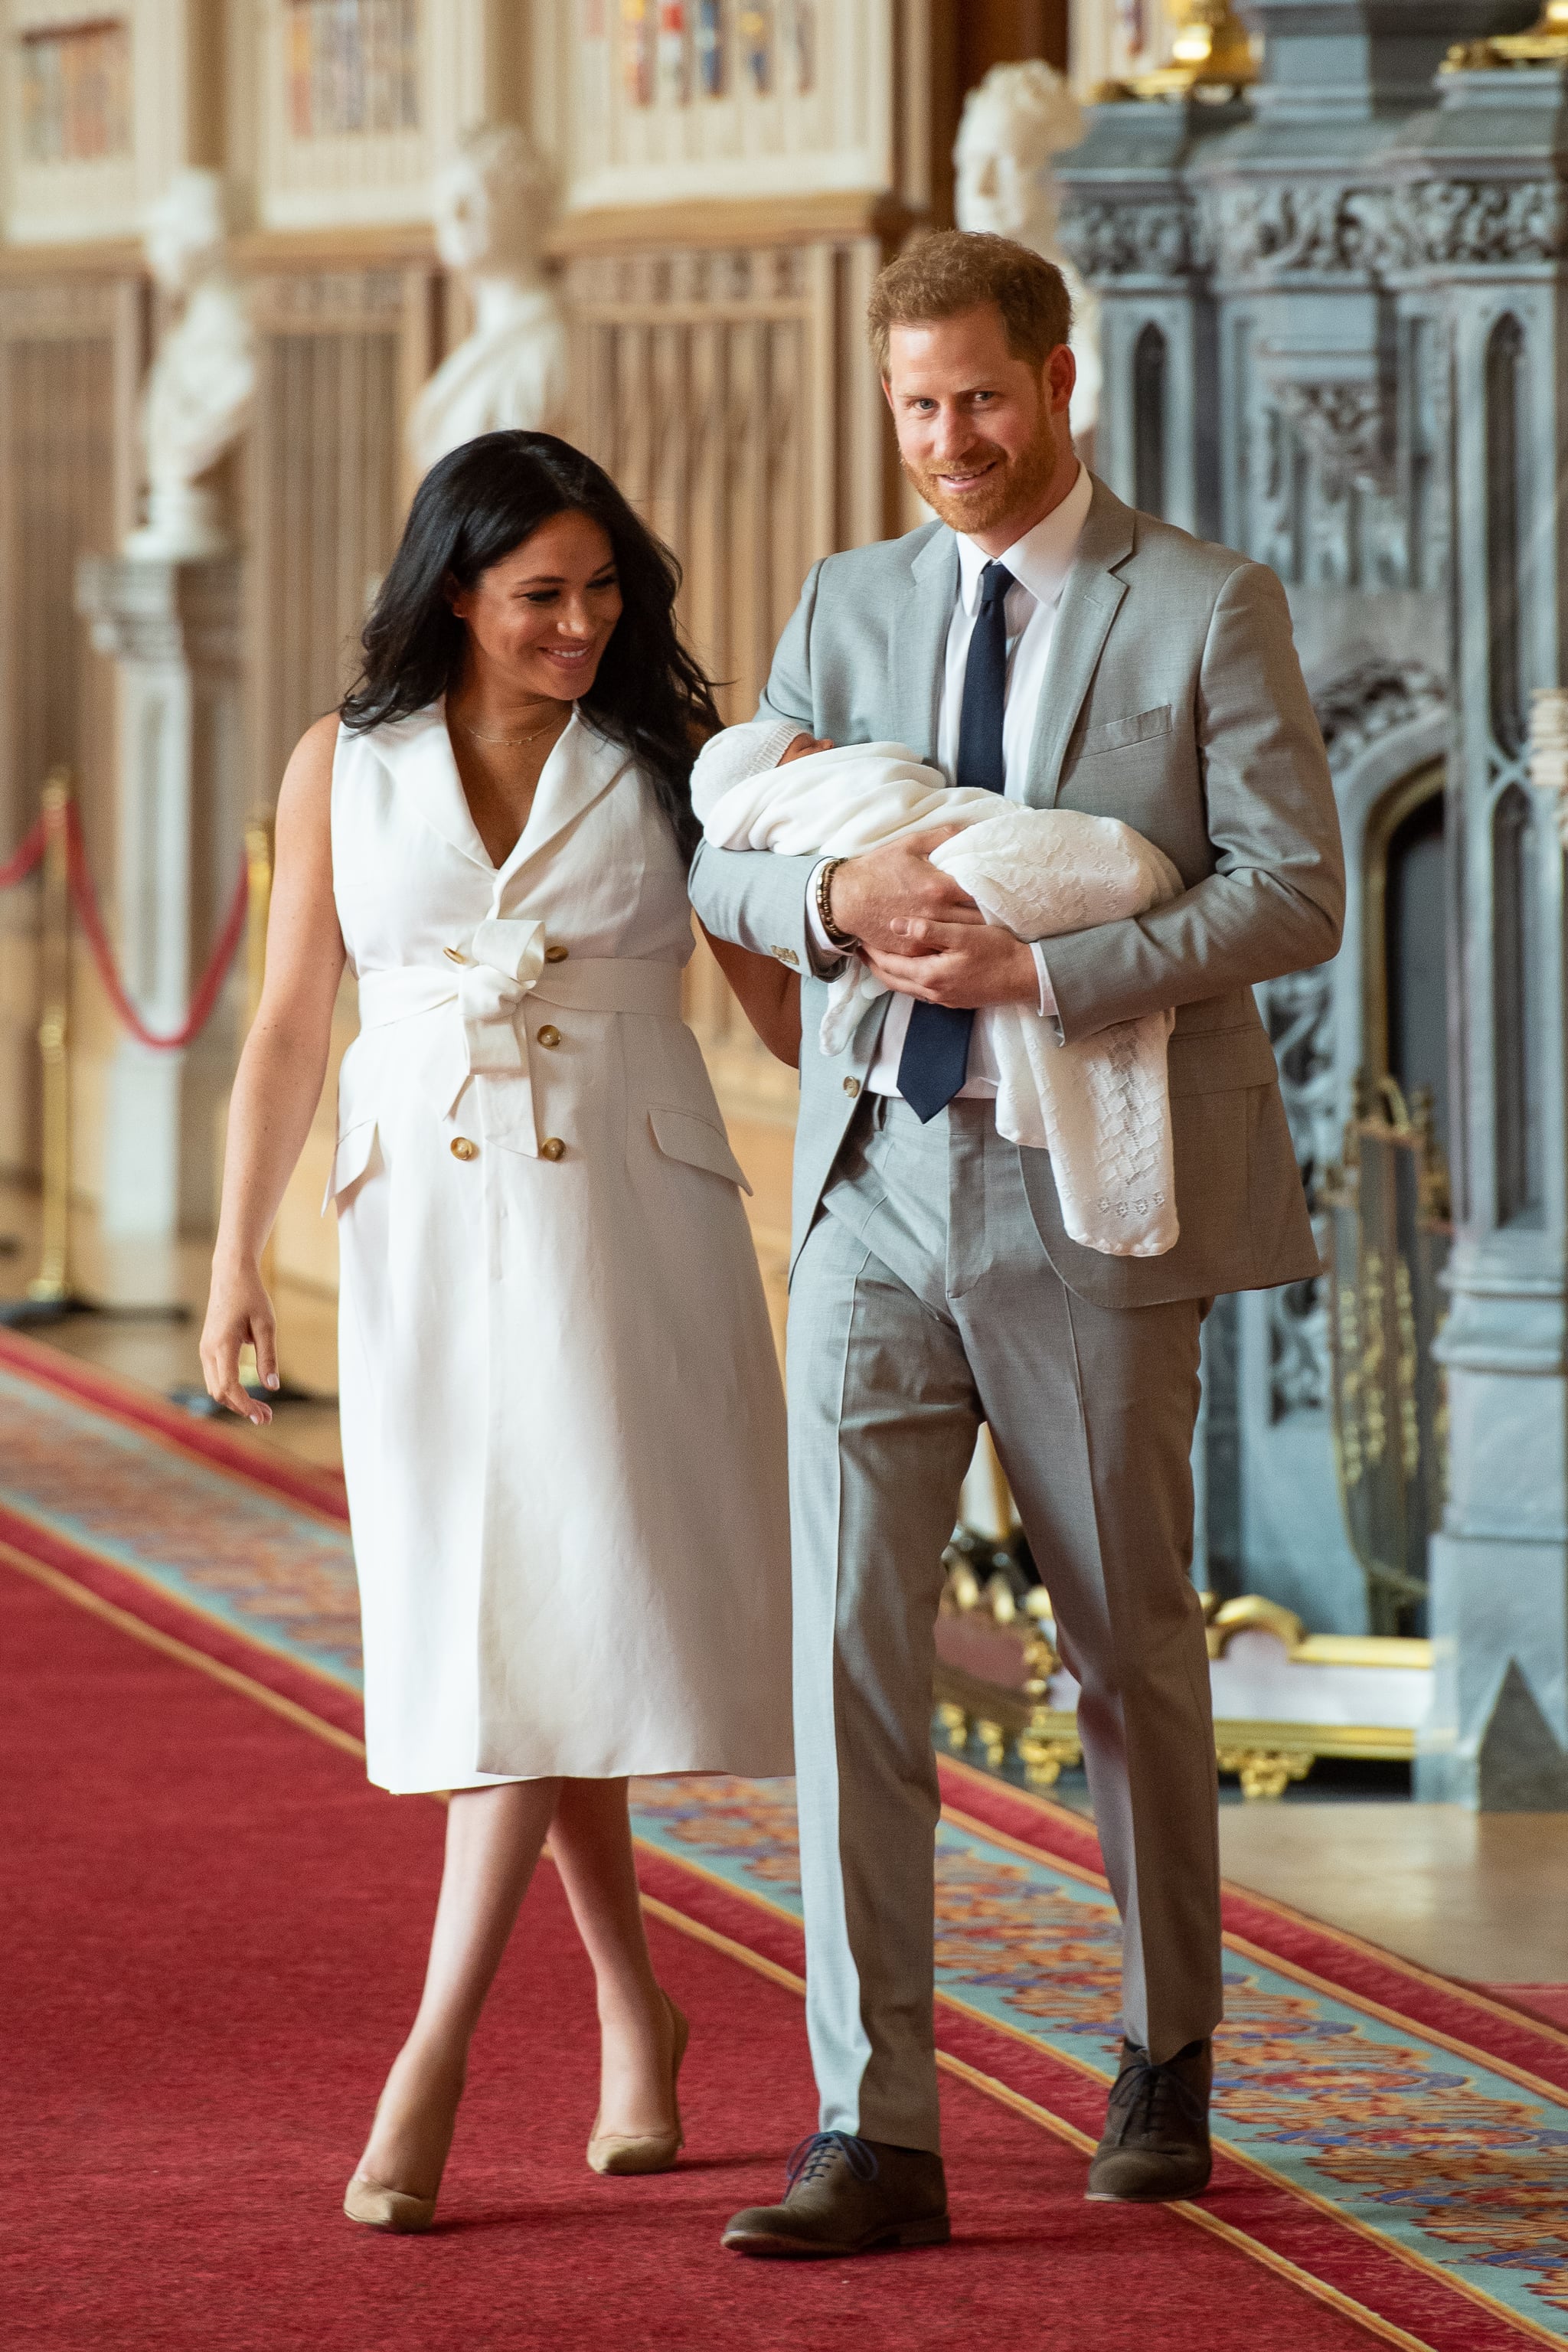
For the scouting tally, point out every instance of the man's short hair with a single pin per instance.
(955, 270)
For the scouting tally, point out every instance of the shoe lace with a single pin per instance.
(816, 2151)
(1142, 2084)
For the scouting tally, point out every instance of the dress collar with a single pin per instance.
(1042, 559)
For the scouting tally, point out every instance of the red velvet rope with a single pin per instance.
(210, 986)
(17, 867)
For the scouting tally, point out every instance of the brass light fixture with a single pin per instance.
(1211, 51)
(1546, 43)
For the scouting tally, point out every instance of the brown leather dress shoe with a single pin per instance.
(849, 2196)
(1156, 2143)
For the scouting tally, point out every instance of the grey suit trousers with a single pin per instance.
(924, 1302)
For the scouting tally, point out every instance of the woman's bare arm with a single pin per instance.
(770, 996)
(278, 1082)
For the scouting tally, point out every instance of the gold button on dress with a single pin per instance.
(551, 1148)
(463, 1149)
(549, 1034)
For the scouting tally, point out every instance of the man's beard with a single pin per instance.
(1011, 487)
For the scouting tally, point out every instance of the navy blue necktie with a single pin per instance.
(935, 1059)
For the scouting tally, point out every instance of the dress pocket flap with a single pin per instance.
(1115, 734)
(350, 1161)
(682, 1135)
(1218, 1061)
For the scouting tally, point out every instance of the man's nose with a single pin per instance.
(950, 433)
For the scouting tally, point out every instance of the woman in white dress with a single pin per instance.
(562, 1424)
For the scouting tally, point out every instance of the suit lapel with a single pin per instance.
(1089, 605)
(920, 640)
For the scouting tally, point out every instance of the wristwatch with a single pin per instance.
(844, 940)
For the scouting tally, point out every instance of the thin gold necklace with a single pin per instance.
(512, 742)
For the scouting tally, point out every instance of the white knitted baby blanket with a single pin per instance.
(1100, 1106)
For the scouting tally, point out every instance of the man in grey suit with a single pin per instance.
(1046, 641)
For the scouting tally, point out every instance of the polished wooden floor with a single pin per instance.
(1481, 1896)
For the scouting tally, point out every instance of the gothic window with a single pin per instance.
(354, 66)
(76, 91)
(1516, 1011)
(1148, 355)
(1505, 441)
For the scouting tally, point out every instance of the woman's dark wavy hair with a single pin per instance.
(472, 509)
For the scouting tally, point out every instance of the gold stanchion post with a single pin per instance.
(50, 1286)
(49, 1296)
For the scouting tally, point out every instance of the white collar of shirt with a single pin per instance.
(1042, 559)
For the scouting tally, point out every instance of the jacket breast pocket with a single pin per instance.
(1120, 734)
(681, 1135)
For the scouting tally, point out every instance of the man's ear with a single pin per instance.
(887, 391)
(1061, 374)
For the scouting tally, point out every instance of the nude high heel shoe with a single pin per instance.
(386, 2209)
(380, 2208)
(621, 2152)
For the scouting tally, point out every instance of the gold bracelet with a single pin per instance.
(844, 942)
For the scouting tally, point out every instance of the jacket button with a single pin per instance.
(851, 1086)
(556, 954)
(551, 1148)
(463, 1149)
(549, 1034)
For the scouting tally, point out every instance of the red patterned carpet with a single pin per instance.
(215, 1932)
(214, 1936)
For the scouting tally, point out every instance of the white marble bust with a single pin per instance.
(492, 204)
(1013, 123)
(201, 385)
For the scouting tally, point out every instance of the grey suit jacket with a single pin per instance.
(1172, 700)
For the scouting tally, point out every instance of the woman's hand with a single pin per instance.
(239, 1313)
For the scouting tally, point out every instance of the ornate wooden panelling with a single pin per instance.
(324, 492)
(68, 356)
(730, 394)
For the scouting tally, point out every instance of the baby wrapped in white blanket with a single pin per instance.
(1100, 1106)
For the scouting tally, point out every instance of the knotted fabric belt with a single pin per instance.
(486, 1043)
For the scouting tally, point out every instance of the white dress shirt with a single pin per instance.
(1040, 563)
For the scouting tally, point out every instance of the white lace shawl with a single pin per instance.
(1100, 1106)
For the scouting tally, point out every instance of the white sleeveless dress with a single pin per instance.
(563, 1422)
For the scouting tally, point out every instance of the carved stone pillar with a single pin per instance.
(1499, 1737)
(173, 631)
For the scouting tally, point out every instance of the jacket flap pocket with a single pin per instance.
(1115, 734)
(681, 1135)
(350, 1161)
(1215, 1061)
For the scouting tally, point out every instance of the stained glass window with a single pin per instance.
(76, 91)
(638, 43)
(674, 78)
(755, 27)
(803, 44)
(352, 65)
(711, 48)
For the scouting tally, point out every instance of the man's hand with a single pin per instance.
(877, 896)
(959, 964)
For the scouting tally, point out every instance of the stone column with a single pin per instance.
(1499, 1736)
(173, 630)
